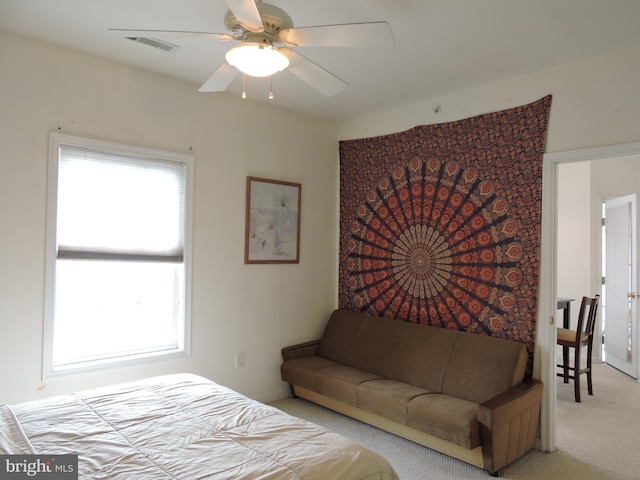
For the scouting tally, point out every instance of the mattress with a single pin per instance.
(182, 427)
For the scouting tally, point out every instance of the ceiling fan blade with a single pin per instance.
(121, 32)
(220, 80)
(247, 14)
(373, 34)
(312, 73)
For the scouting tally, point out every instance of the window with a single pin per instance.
(117, 254)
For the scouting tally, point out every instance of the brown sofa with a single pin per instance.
(462, 394)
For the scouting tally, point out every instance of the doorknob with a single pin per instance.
(631, 295)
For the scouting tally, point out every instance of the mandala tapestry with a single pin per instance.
(440, 224)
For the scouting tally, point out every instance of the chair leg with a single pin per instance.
(576, 374)
(565, 363)
(589, 382)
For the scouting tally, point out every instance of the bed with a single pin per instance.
(182, 427)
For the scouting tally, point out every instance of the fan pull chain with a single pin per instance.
(244, 87)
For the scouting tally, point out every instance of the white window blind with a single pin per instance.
(115, 207)
(116, 286)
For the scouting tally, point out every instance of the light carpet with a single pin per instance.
(597, 438)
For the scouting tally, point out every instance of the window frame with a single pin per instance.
(56, 140)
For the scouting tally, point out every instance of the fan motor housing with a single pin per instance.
(274, 20)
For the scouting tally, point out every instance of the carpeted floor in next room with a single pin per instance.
(597, 439)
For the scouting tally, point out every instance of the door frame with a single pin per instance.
(545, 348)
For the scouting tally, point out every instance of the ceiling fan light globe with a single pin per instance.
(256, 59)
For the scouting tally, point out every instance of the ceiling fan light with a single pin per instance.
(256, 59)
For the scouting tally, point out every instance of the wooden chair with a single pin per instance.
(576, 339)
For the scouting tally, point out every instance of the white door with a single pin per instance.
(621, 286)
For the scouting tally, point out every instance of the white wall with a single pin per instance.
(576, 249)
(595, 102)
(615, 178)
(255, 309)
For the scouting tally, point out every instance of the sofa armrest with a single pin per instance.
(306, 349)
(509, 423)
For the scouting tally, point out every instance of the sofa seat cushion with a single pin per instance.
(446, 417)
(340, 382)
(301, 371)
(387, 398)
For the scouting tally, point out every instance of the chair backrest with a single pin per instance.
(587, 316)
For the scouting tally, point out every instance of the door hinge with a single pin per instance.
(603, 282)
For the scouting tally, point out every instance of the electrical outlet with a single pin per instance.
(240, 360)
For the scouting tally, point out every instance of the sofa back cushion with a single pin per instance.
(410, 353)
(362, 341)
(423, 356)
(481, 367)
(340, 335)
(470, 366)
(377, 345)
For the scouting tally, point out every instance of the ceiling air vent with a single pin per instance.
(153, 42)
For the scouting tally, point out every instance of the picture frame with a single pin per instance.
(272, 225)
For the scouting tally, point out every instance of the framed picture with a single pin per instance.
(272, 222)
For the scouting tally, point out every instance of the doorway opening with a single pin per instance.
(550, 256)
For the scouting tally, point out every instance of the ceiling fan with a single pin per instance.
(264, 33)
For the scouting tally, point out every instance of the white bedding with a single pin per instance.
(182, 427)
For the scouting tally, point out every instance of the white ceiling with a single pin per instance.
(441, 46)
